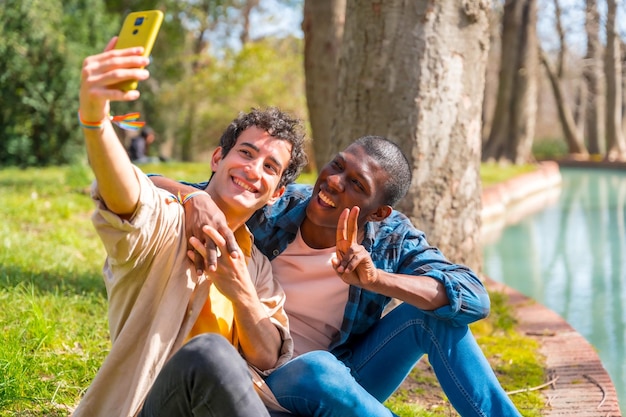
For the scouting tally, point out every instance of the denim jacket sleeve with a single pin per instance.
(399, 247)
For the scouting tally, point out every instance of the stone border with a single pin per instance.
(508, 202)
(582, 386)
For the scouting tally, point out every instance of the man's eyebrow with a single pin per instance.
(362, 176)
(257, 149)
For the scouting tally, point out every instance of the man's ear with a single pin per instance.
(381, 213)
(277, 194)
(216, 158)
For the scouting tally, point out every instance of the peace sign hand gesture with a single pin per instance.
(353, 263)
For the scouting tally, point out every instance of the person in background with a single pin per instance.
(341, 252)
(184, 344)
(139, 147)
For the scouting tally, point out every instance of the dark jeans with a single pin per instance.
(206, 377)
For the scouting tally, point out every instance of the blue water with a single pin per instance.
(571, 257)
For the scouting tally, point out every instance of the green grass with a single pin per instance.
(493, 173)
(53, 303)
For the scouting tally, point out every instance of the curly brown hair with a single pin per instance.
(278, 124)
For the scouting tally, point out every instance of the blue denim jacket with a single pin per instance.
(395, 246)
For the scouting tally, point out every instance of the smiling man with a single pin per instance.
(184, 344)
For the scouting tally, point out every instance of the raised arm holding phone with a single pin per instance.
(183, 343)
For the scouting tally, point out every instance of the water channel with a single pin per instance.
(571, 257)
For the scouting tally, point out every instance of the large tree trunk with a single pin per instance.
(323, 31)
(513, 128)
(616, 145)
(594, 123)
(414, 71)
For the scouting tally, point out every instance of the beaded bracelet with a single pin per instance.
(125, 121)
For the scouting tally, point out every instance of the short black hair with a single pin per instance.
(146, 131)
(393, 161)
(279, 125)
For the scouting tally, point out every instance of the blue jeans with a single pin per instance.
(206, 377)
(374, 365)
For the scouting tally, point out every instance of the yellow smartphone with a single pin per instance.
(138, 29)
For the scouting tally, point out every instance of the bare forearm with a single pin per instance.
(423, 292)
(259, 338)
(117, 182)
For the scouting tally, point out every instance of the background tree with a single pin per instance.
(322, 24)
(414, 72)
(616, 145)
(513, 125)
(39, 61)
(594, 79)
(568, 124)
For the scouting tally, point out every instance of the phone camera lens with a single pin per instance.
(138, 21)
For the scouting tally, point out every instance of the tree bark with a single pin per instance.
(415, 72)
(322, 25)
(514, 120)
(574, 142)
(616, 145)
(594, 124)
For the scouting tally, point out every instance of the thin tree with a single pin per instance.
(616, 145)
(513, 127)
(574, 141)
(595, 107)
(414, 71)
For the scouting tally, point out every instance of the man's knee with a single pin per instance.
(208, 351)
(320, 369)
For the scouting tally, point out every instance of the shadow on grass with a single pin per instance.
(48, 282)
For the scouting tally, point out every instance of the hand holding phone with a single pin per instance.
(138, 29)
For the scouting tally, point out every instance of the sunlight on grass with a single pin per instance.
(493, 173)
(53, 304)
(513, 357)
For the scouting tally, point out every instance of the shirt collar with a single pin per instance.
(244, 239)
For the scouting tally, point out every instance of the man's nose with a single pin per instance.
(253, 168)
(335, 182)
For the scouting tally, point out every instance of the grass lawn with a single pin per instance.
(53, 302)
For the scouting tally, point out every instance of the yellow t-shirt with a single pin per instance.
(217, 315)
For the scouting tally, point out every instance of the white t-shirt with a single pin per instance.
(315, 295)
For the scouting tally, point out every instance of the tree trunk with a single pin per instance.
(514, 120)
(594, 124)
(323, 31)
(616, 145)
(574, 142)
(415, 72)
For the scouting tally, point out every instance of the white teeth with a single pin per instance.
(326, 199)
(244, 185)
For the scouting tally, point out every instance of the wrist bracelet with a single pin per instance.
(182, 200)
(125, 121)
(190, 196)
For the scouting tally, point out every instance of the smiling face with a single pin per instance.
(352, 178)
(247, 178)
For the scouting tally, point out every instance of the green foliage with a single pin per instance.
(43, 44)
(189, 99)
(264, 73)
